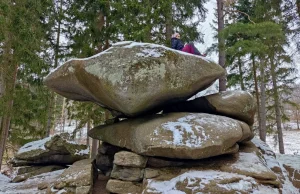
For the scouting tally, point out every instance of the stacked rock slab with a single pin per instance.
(183, 152)
(248, 171)
(46, 155)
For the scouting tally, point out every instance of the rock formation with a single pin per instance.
(37, 158)
(197, 146)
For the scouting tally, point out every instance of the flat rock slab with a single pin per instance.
(132, 78)
(80, 174)
(50, 150)
(207, 181)
(176, 135)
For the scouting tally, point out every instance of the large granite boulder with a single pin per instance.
(134, 77)
(235, 104)
(51, 150)
(176, 135)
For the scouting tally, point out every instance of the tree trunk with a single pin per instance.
(256, 92)
(95, 144)
(241, 73)
(87, 130)
(169, 26)
(297, 118)
(262, 106)
(222, 80)
(277, 108)
(10, 81)
(56, 52)
(62, 118)
(50, 114)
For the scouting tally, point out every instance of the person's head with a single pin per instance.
(176, 35)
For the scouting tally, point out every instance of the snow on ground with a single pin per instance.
(28, 186)
(291, 141)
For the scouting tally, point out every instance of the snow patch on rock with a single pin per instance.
(40, 144)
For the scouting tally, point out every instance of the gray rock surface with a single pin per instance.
(134, 77)
(51, 150)
(235, 104)
(118, 186)
(176, 135)
(78, 175)
(127, 173)
(130, 159)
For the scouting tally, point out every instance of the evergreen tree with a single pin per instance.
(21, 40)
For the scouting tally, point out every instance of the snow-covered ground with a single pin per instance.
(291, 141)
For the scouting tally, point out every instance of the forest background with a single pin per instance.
(258, 43)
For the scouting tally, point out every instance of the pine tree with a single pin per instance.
(22, 39)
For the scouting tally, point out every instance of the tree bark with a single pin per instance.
(241, 74)
(222, 80)
(169, 26)
(277, 108)
(262, 107)
(56, 52)
(297, 118)
(87, 130)
(256, 93)
(10, 81)
(95, 144)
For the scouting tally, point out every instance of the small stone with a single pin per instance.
(151, 173)
(117, 186)
(127, 173)
(83, 190)
(125, 158)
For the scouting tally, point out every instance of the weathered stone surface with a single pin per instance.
(248, 162)
(51, 150)
(77, 175)
(117, 186)
(292, 164)
(176, 135)
(206, 181)
(125, 158)
(134, 77)
(83, 190)
(26, 169)
(235, 104)
(40, 170)
(276, 166)
(127, 173)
